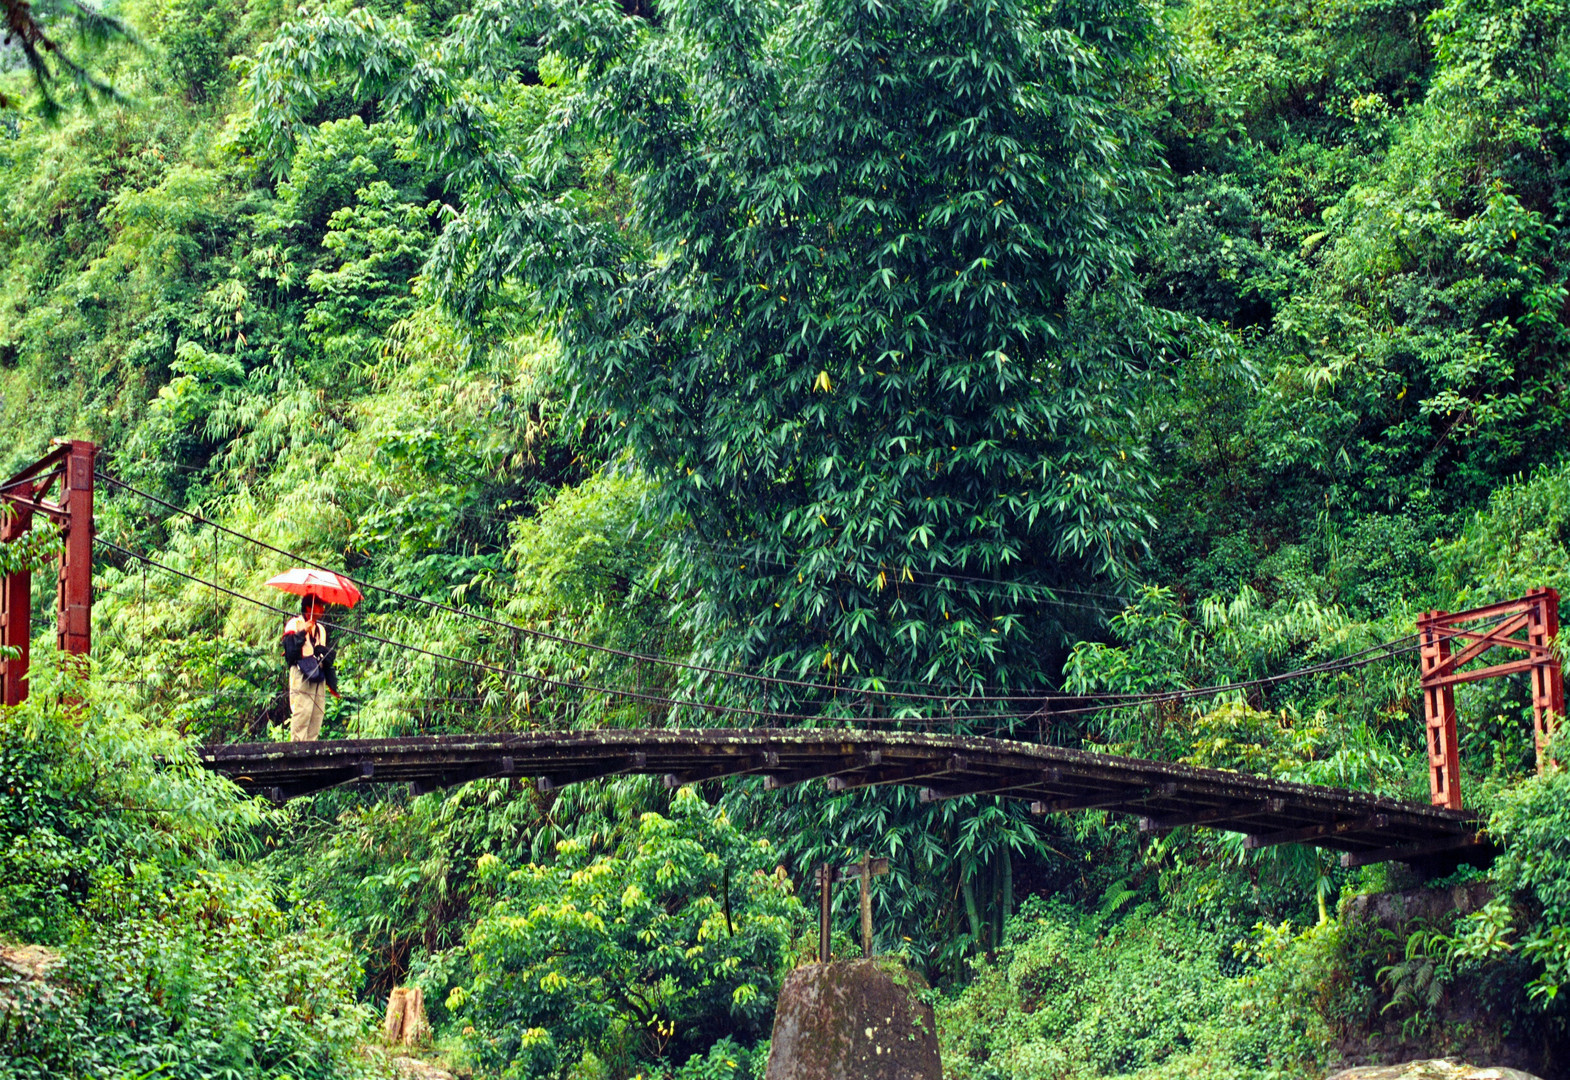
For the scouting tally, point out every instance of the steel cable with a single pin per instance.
(996, 722)
(640, 694)
(1046, 699)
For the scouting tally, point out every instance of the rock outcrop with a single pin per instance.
(408, 1068)
(1464, 1024)
(1435, 907)
(859, 1020)
(24, 977)
(1433, 1069)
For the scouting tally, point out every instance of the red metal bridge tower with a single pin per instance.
(68, 470)
(1529, 625)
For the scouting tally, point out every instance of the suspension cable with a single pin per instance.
(558, 639)
(996, 721)
(640, 694)
(1045, 700)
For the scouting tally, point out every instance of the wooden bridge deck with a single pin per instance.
(1366, 828)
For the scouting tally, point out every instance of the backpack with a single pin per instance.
(311, 668)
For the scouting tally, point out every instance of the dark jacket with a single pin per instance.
(293, 646)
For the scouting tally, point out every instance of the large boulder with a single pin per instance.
(858, 1020)
(1435, 907)
(1464, 1021)
(1433, 1069)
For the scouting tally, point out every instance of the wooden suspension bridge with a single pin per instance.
(1365, 828)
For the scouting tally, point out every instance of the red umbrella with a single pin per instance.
(332, 588)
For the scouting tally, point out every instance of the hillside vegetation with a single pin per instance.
(923, 347)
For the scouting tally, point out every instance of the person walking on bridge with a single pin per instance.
(311, 673)
(305, 648)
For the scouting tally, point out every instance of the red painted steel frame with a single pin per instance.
(1535, 617)
(71, 465)
(16, 605)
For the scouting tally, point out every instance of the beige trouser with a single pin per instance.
(307, 703)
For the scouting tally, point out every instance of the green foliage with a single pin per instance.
(1254, 67)
(32, 551)
(47, 814)
(1383, 190)
(1208, 260)
(196, 44)
(1073, 994)
(726, 1060)
(399, 875)
(1343, 728)
(196, 975)
(1519, 541)
(1533, 823)
(61, 42)
(118, 850)
(890, 351)
(815, 339)
(1418, 980)
(381, 243)
(585, 568)
(667, 938)
(952, 866)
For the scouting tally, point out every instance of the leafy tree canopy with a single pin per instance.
(35, 30)
(688, 923)
(855, 290)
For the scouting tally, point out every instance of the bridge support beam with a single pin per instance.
(16, 602)
(1315, 833)
(720, 770)
(1446, 854)
(851, 762)
(995, 785)
(74, 597)
(1219, 816)
(1116, 800)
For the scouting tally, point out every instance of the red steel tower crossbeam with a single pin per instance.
(70, 466)
(1535, 618)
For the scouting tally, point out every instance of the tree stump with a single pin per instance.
(405, 1023)
(859, 1020)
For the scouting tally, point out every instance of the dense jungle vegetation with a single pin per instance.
(959, 347)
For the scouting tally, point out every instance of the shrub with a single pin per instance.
(653, 949)
(1075, 994)
(113, 848)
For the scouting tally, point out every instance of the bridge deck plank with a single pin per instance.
(1355, 822)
